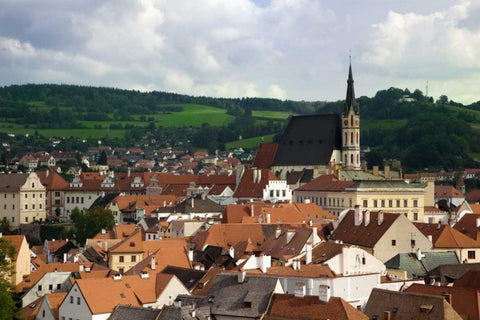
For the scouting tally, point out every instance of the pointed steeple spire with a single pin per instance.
(350, 100)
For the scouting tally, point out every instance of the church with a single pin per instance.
(313, 145)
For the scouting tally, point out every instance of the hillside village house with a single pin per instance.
(55, 185)
(383, 235)
(21, 260)
(22, 198)
(394, 196)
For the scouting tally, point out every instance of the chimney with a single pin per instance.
(252, 211)
(241, 274)
(267, 218)
(231, 252)
(308, 255)
(65, 257)
(193, 202)
(290, 235)
(278, 232)
(375, 170)
(367, 218)
(419, 254)
(380, 217)
(447, 296)
(81, 267)
(386, 315)
(478, 222)
(439, 224)
(264, 262)
(117, 277)
(358, 215)
(306, 200)
(144, 275)
(300, 290)
(153, 263)
(47, 173)
(386, 172)
(129, 172)
(324, 293)
(190, 255)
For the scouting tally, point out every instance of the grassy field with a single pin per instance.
(271, 114)
(250, 142)
(192, 115)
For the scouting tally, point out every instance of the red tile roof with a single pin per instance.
(286, 307)
(52, 182)
(248, 188)
(265, 155)
(447, 191)
(468, 226)
(444, 236)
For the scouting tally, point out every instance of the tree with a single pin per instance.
(7, 309)
(89, 224)
(443, 99)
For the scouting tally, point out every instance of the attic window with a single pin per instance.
(132, 244)
(122, 295)
(426, 308)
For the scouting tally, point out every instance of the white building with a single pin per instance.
(277, 190)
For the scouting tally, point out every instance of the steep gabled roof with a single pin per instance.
(309, 140)
(133, 243)
(253, 188)
(444, 236)
(265, 155)
(366, 236)
(53, 181)
(468, 226)
(286, 307)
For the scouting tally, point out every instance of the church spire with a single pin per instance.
(350, 100)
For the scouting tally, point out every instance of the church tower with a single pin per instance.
(351, 128)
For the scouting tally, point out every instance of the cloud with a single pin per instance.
(295, 49)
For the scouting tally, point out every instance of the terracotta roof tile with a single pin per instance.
(54, 300)
(265, 155)
(444, 236)
(16, 241)
(447, 191)
(468, 225)
(285, 307)
(248, 188)
(53, 181)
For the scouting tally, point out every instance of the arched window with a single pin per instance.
(351, 159)
(345, 160)
(351, 138)
(357, 137)
(351, 120)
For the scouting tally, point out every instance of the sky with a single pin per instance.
(286, 49)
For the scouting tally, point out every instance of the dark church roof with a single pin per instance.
(309, 140)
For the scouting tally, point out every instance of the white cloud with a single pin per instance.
(274, 91)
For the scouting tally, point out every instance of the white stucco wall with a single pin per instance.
(74, 310)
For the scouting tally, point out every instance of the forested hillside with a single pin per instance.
(395, 123)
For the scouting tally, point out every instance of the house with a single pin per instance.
(183, 228)
(57, 250)
(126, 253)
(291, 307)
(396, 196)
(252, 184)
(140, 290)
(381, 234)
(22, 198)
(465, 301)
(446, 238)
(197, 206)
(448, 196)
(30, 162)
(49, 307)
(386, 304)
(47, 161)
(187, 276)
(241, 296)
(55, 186)
(21, 261)
(447, 274)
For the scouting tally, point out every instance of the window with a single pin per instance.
(33, 196)
(39, 288)
(471, 254)
(121, 270)
(134, 258)
(33, 184)
(412, 243)
(390, 203)
(57, 193)
(78, 199)
(13, 207)
(398, 203)
(43, 313)
(415, 203)
(57, 201)
(26, 196)
(78, 300)
(59, 286)
(383, 203)
(40, 195)
(120, 258)
(271, 193)
(13, 219)
(375, 204)
(82, 199)
(71, 299)
(394, 243)
(5, 206)
(405, 203)
(50, 287)
(68, 199)
(33, 206)
(415, 216)
(365, 203)
(284, 193)
(26, 219)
